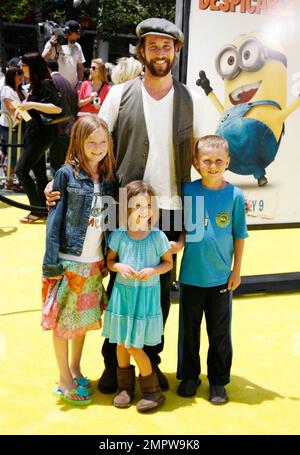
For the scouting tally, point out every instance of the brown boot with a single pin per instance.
(126, 387)
(151, 393)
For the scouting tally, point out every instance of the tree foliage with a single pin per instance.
(121, 16)
(115, 16)
(12, 10)
(23, 10)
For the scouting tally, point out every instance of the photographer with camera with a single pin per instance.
(69, 56)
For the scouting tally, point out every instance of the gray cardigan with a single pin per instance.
(131, 140)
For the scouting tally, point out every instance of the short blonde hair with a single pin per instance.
(127, 68)
(211, 141)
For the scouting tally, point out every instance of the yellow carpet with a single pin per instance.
(264, 391)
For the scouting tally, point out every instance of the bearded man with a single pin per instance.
(153, 121)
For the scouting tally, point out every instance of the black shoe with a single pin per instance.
(188, 387)
(175, 286)
(217, 394)
(108, 383)
(162, 380)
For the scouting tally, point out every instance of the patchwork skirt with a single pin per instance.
(74, 304)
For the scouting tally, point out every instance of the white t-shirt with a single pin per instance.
(92, 249)
(160, 167)
(69, 55)
(2, 82)
(11, 94)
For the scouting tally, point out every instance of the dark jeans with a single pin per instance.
(33, 158)
(109, 349)
(216, 304)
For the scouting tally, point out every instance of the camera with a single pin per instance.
(96, 101)
(49, 28)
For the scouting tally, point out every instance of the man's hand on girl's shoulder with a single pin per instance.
(51, 196)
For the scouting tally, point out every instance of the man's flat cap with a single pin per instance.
(156, 26)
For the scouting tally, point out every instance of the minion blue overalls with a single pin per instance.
(252, 144)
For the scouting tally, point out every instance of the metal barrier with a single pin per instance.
(9, 143)
(20, 205)
(10, 146)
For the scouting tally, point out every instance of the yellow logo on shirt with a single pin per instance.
(223, 219)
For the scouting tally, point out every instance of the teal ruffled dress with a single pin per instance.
(133, 315)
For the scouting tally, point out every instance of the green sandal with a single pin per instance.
(84, 382)
(57, 391)
(81, 391)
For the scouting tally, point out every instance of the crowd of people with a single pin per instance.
(81, 91)
(137, 147)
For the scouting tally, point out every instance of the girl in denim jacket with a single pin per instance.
(73, 266)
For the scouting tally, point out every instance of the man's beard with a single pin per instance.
(160, 72)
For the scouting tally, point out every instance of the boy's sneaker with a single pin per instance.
(217, 394)
(188, 387)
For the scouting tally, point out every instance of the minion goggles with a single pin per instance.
(250, 56)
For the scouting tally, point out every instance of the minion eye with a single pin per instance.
(247, 55)
(250, 55)
(231, 60)
(228, 63)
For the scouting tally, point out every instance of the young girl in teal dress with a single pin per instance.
(73, 265)
(139, 253)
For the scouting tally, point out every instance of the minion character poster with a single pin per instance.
(243, 56)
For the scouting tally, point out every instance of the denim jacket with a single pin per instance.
(68, 220)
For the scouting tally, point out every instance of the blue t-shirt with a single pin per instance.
(219, 217)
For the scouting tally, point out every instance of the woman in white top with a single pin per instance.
(11, 91)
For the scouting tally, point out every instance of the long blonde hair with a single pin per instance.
(81, 130)
(101, 68)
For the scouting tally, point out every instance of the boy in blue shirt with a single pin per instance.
(206, 278)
